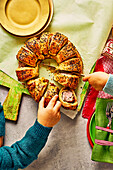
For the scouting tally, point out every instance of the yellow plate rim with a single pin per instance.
(48, 21)
(45, 10)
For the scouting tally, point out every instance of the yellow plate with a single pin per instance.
(48, 20)
(23, 17)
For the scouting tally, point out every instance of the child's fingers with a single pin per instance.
(57, 106)
(41, 103)
(86, 78)
(52, 101)
(59, 114)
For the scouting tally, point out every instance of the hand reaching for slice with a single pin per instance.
(97, 80)
(50, 115)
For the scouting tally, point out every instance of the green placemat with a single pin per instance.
(13, 99)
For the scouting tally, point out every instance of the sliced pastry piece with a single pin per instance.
(73, 64)
(67, 52)
(26, 56)
(33, 44)
(68, 98)
(51, 91)
(56, 42)
(49, 38)
(67, 80)
(44, 38)
(37, 87)
(26, 73)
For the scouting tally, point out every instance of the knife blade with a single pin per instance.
(57, 68)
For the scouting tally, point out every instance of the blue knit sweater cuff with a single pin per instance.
(42, 130)
(2, 121)
(108, 88)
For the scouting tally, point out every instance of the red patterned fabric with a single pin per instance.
(89, 105)
(108, 50)
(104, 64)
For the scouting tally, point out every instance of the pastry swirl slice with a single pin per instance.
(26, 73)
(68, 98)
(66, 79)
(51, 91)
(67, 52)
(73, 64)
(33, 44)
(26, 56)
(56, 42)
(37, 87)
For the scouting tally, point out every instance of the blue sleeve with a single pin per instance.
(2, 121)
(108, 88)
(25, 151)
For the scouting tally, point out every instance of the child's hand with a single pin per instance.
(97, 80)
(50, 115)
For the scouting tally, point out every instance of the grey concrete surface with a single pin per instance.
(67, 147)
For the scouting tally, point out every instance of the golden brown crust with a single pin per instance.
(68, 105)
(33, 44)
(51, 91)
(67, 52)
(37, 87)
(67, 80)
(73, 64)
(26, 73)
(50, 46)
(26, 56)
(20, 64)
(56, 42)
(44, 38)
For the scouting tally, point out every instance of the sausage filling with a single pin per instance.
(68, 96)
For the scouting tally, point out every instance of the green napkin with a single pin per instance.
(102, 153)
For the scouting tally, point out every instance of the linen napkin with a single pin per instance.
(102, 153)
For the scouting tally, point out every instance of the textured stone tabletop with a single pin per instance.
(67, 147)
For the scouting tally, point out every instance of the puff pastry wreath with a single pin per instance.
(50, 46)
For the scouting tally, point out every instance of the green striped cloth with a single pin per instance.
(102, 153)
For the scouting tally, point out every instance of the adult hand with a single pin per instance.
(97, 80)
(50, 115)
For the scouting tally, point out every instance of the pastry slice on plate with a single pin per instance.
(51, 91)
(27, 57)
(73, 64)
(33, 44)
(56, 42)
(68, 98)
(66, 79)
(67, 52)
(37, 87)
(26, 73)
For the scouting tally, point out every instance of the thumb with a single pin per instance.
(41, 103)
